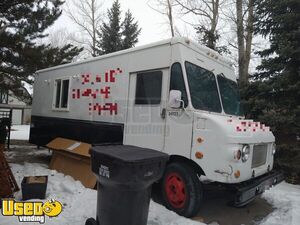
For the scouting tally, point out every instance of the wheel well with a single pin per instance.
(181, 159)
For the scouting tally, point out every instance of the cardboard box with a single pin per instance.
(72, 158)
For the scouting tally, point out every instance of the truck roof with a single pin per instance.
(171, 41)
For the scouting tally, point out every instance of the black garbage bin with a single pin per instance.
(125, 175)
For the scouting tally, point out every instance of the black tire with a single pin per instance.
(90, 221)
(187, 203)
(156, 194)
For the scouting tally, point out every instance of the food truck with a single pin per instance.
(173, 96)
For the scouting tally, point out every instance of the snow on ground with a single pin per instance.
(286, 200)
(79, 203)
(19, 132)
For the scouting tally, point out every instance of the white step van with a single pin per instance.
(173, 96)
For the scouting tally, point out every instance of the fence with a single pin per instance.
(6, 118)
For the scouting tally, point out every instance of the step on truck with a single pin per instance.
(173, 96)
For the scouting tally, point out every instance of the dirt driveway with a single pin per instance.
(215, 209)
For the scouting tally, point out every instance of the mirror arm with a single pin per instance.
(182, 107)
(181, 103)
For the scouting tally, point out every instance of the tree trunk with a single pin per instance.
(249, 36)
(243, 77)
(94, 29)
(170, 16)
(213, 25)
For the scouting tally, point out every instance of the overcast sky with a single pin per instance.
(154, 25)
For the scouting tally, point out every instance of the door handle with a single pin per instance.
(163, 113)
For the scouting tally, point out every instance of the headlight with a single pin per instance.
(245, 153)
(274, 148)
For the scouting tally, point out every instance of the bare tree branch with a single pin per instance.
(208, 14)
(87, 15)
(187, 5)
(164, 7)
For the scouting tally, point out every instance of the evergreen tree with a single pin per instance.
(22, 24)
(115, 35)
(209, 39)
(280, 67)
(110, 32)
(275, 97)
(130, 31)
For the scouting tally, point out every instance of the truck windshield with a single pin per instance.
(203, 88)
(229, 95)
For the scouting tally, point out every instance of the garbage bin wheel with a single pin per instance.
(90, 221)
(181, 189)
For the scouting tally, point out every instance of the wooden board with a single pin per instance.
(8, 184)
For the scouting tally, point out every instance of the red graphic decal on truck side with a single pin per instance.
(85, 78)
(100, 92)
(111, 107)
(89, 92)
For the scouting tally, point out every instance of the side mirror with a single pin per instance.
(175, 99)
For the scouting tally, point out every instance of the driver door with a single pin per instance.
(145, 123)
(179, 123)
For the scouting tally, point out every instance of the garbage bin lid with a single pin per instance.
(128, 153)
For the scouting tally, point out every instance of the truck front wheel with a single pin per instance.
(181, 189)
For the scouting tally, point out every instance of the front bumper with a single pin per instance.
(248, 190)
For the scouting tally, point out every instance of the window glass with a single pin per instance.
(229, 95)
(58, 89)
(61, 93)
(65, 94)
(177, 82)
(148, 88)
(203, 88)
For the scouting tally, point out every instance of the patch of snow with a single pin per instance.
(286, 200)
(19, 132)
(79, 203)
(214, 223)
(159, 215)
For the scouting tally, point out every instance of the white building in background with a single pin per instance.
(21, 111)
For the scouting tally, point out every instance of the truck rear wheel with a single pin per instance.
(181, 189)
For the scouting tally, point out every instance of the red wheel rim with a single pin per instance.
(175, 190)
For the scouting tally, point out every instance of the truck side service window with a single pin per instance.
(203, 88)
(148, 88)
(61, 93)
(177, 82)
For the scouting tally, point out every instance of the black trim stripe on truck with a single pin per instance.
(45, 129)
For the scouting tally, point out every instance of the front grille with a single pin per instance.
(259, 155)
